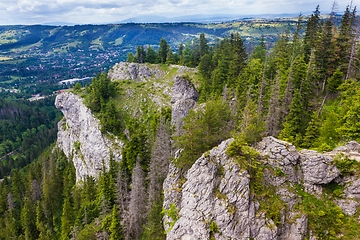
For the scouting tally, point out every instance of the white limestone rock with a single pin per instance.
(280, 154)
(79, 136)
(134, 71)
(184, 97)
(317, 168)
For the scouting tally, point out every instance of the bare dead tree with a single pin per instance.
(352, 59)
(272, 120)
(159, 162)
(137, 206)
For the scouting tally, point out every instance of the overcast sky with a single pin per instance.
(104, 11)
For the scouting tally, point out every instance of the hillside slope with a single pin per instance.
(271, 191)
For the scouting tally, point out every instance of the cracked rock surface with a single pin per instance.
(79, 136)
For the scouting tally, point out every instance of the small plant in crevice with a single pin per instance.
(173, 214)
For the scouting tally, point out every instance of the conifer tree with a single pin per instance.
(28, 219)
(273, 116)
(239, 58)
(293, 125)
(66, 219)
(163, 50)
(130, 58)
(311, 32)
(115, 226)
(151, 55)
(344, 40)
(202, 130)
(325, 51)
(140, 55)
(203, 45)
(170, 56)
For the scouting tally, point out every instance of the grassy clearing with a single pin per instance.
(27, 48)
(2, 58)
(13, 61)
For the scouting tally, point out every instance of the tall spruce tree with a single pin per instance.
(163, 50)
(311, 32)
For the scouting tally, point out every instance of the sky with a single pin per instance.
(106, 11)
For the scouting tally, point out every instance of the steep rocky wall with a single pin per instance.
(213, 198)
(184, 98)
(80, 138)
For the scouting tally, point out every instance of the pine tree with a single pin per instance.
(202, 130)
(66, 219)
(203, 45)
(259, 50)
(115, 226)
(170, 56)
(273, 116)
(151, 56)
(205, 69)
(293, 125)
(140, 55)
(130, 58)
(311, 32)
(335, 81)
(325, 53)
(163, 50)
(344, 40)
(28, 220)
(238, 60)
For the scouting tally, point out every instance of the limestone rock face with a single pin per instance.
(350, 150)
(214, 198)
(79, 136)
(184, 97)
(134, 71)
(280, 154)
(216, 192)
(317, 168)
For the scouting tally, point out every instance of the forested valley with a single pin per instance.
(304, 90)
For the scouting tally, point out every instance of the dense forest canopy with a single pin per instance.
(304, 90)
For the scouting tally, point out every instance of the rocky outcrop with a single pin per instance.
(216, 201)
(80, 138)
(134, 71)
(350, 150)
(184, 97)
(213, 198)
(307, 166)
(281, 155)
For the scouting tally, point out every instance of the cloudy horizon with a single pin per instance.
(107, 11)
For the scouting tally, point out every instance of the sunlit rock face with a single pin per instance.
(80, 138)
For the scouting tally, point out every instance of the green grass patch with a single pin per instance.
(3, 58)
(326, 219)
(17, 61)
(346, 166)
(118, 41)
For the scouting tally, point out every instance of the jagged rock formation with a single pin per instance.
(80, 138)
(134, 71)
(213, 197)
(184, 97)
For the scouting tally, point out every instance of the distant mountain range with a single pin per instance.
(199, 18)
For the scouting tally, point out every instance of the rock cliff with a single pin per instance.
(134, 71)
(80, 138)
(213, 199)
(184, 97)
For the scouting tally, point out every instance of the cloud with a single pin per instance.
(100, 11)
